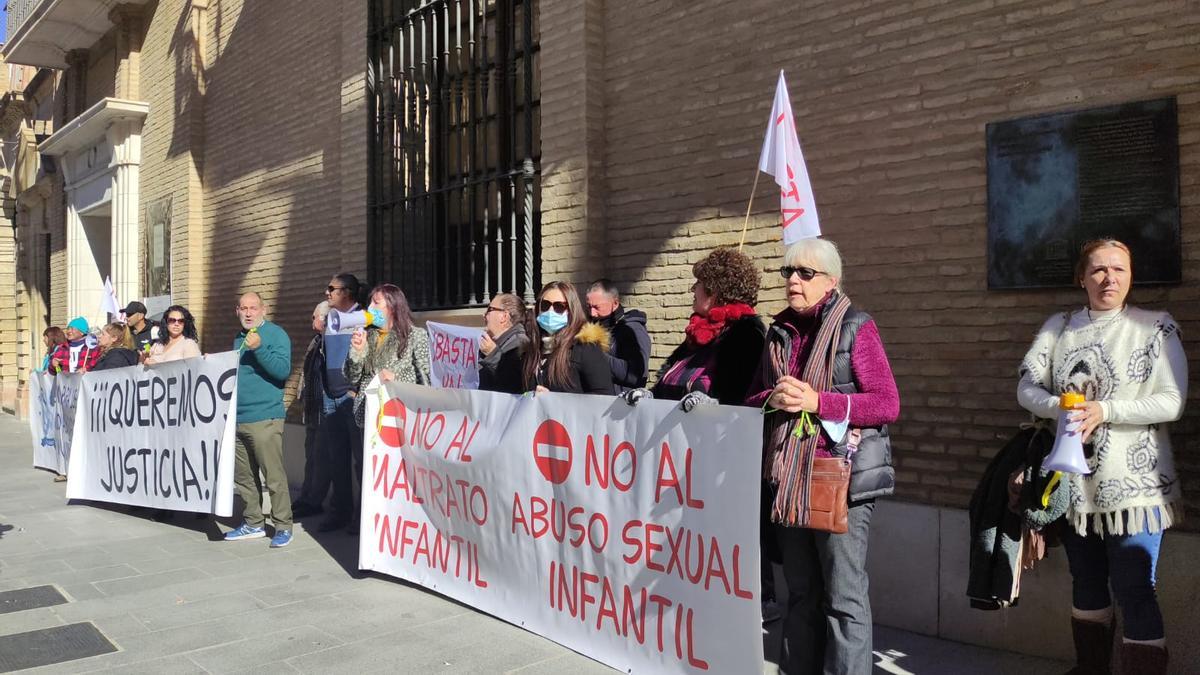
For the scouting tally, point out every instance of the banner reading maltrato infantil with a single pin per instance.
(629, 534)
(160, 437)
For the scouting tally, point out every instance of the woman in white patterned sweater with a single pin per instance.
(1129, 364)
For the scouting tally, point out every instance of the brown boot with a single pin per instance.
(1093, 647)
(1139, 659)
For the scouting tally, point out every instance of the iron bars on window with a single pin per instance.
(454, 205)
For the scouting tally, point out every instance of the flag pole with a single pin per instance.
(746, 220)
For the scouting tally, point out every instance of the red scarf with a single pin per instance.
(702, 330)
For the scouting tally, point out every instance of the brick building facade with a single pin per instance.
(254, 157)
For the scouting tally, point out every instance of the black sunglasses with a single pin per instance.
(806, 273)
(331, 289)
(559, 307)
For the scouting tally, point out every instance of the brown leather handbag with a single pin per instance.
(828, 495)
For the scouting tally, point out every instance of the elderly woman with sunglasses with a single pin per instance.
(566, 353)
(825, 376)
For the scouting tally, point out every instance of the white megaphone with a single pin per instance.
(1067, 454)
(348, 322)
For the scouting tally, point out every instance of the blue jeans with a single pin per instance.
(1128, 563)
(341, 441)
(827, 628)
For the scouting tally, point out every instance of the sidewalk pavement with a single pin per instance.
(173, 598)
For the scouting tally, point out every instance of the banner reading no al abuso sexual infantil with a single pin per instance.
(160, 436)
(629, 534)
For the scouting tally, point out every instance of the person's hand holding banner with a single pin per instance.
(159, 437)
(629, 534)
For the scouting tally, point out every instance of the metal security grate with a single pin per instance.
(30, 598)
(52, 645)
(454, 154)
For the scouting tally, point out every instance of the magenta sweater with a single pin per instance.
(877, 401)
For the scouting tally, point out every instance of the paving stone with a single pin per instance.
(176, 601)
(197, 611)
(265, 648)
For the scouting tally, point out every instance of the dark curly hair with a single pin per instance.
(729, 275)
(189, 325)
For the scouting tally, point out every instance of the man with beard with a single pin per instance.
(143, 330)
(629, 350)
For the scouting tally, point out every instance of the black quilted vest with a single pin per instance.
(872, 474)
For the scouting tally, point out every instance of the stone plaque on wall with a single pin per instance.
(1058, 181)
(156, 249)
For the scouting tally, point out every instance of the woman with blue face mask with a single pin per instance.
(567, 353)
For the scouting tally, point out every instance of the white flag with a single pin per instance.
(109, 302)
(781, 157)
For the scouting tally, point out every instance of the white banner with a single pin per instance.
(161, 437)
(629, 534)
(453, 355)
(41, 421)
(64, 396)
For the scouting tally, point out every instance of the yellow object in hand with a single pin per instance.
(1070, 399)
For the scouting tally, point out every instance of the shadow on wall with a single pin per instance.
(270, 111)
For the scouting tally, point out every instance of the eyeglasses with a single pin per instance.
(331, 289)
(490, 309)
(171, 319)
(559, 307)
(806, 273)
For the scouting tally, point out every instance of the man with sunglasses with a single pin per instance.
(629, 350)
(339, 438)
(144, 331)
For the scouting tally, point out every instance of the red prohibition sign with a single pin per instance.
(552, 451)
(392, 417)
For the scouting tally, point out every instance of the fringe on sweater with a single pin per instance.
(1133, 520)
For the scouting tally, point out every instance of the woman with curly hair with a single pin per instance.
(723, 340)
(179, 341)
(1130, 366)
(566, 353)
(827, 384)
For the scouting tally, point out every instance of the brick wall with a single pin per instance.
(101, 72)
(10, 329)
(171, 144)
(891, 99)
(284, 167)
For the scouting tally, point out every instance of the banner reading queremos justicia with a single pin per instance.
(629, 534)
(159, 436)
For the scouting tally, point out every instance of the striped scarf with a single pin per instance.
(791, 440)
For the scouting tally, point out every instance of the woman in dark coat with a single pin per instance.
(566, 353)
(502, 345)
(724, 338)
(116, 348)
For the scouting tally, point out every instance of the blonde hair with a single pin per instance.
(119, 332)
(1091, 247)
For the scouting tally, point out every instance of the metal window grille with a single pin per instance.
(454, 204)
